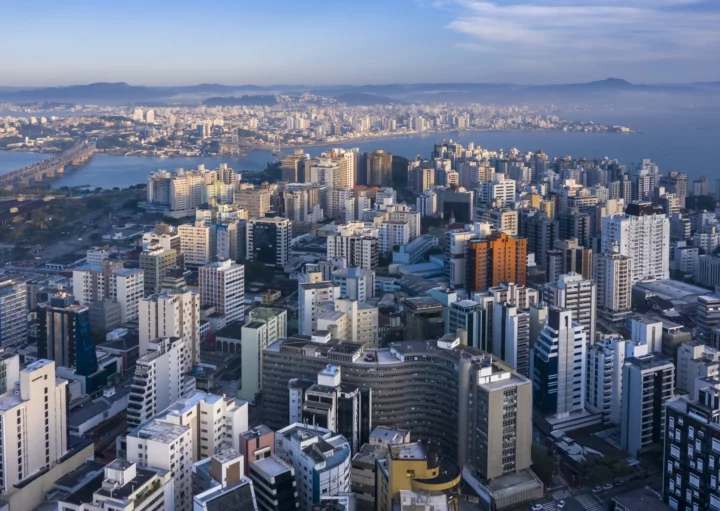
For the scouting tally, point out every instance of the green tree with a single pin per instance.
(543, 464)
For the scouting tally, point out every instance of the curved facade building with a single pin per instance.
(430, 388)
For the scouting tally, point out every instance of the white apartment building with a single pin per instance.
(195, 244)
(355, 283)
(412, 218)
(456, 244)
(694, 361)
(125, 487)
(13, 313)
(33, 415)
(392, 234)
(499, 191)
(574, 292)
(189, 430)
(161, 445)
(645, 238)
(171, 315)
(310, 296)
(222, 284)
(321, 460)
(127, 287)
(351, 320)
(161, 378)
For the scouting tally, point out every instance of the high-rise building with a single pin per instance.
(265, 325)
(310, 296)
(155, 261)
(275, 486)
(692, 439)
(576, 294)
(13, 313)
(574, 225)
(559, 364)
(707, 317)
(127, 287)
(355, 283)
(422, 318)
(256, 201)
(356, 244)
(64, 334)
(494, 259)
(642, 234)
(568, 256)
(222, 285)
(161, 378)
(171, 315)
(34, 418)
(695, 362)
(511, 336)
(333, 404)
(500, 191)
(269, 240)
(256, 444)
(123, 483)
(379, 168)
(319, 454)
(443, 376)
(471, 317)
(195, 243)
(613, 275)
(648, 382)
(495, 416)
(180, 436)
(541, 232)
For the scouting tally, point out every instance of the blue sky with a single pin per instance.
(160, 42)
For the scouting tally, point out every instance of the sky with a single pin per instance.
(326, 42)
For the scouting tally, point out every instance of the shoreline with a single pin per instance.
(428, 133)
(323, 143)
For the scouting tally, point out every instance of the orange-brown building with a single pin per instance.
(495, 259)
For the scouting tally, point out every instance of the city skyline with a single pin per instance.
(549, 41)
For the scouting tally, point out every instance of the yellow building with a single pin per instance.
(412, 467)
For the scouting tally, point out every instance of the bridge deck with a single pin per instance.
(25, 174)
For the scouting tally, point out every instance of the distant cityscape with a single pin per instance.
(266, 122)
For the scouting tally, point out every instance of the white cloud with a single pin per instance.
(588, 32)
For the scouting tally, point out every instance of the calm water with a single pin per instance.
(685, 141)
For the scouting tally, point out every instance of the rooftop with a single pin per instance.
(271, 466)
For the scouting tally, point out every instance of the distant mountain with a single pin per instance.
(247, 100)
(364, 99)
(104, 93)
(611, 90)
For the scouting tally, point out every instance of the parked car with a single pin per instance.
(597, 489)
(607, 486)
(536, 507)
(560, 504)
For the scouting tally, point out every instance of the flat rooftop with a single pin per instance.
(271, 466)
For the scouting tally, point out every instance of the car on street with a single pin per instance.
(597, 489)
(619, 482)
(536, 507)
(560, 504)
(607, 486)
